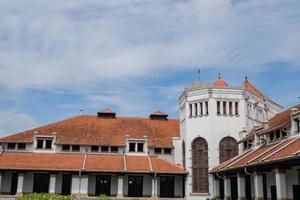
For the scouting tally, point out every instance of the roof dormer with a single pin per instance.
(158, 115)
(106, 113)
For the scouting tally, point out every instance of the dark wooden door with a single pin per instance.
(41, 183)
(166, 186)
(234, 188)
(135, 186)
(66, 184)
(103, 185)
(273, 192)
(248, 188)
(296, 191)
(14, 183)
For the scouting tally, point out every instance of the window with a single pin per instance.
(94, 148)
(114, 149)
(230, 108)
(228, 148)
(66, 147)
(196, 109)
(132, 147)
(191, 110)
(200, 165)
(218, 108)
(277, 134)
(206, 107)
(21, 146)
(75, 148)
(167, 151)
(201, 108)
(236, 104)
(272, 136)
(104, 149)
(140, 147)
(11, 145)
(48, 144)
(224, 108)
(40, 144)
(157, 151)
(297, 125)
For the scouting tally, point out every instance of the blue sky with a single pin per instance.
(136, 56)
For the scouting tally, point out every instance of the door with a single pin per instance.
(166, 186)
(66, 184)
(14, 183)
(234, 189)
(248, 188)
(296, 191)
(41, 183)
(103, 185)
(273, 192)
(135, 186)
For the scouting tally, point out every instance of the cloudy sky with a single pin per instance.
(136, 56)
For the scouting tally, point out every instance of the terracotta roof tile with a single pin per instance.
(104, 163)
(138, 164)
(162, 166)
(248, 86)
(91, 130)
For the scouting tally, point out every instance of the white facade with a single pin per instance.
(202, 116)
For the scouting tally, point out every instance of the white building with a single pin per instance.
(213, 117)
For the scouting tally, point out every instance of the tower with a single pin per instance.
(212, 118)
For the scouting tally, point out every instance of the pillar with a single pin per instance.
(20, 184)
(241, 187)
(120, 193)
(204, 108)
(84, 181)
(198, 108)
(79, 186)
(280, 177)
(216, 188)
(221, 108)
(0, 182)
(193, 109)
(52, 183)
(154, 187)
(227, 188)
(258, 186)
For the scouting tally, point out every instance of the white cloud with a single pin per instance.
(73, 44)
(12, 122)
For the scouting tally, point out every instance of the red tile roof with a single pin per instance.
(220, 83)
(248, 86)
(93, 163)
(284, 149)
(91, 130)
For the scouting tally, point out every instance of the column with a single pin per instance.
(83, 190)
(75, 185)
(221, 108)
(154, 187)
(241, 187)
(52, 183)
(204, 108)
(198, 108)
(193, 109)
(258, 186)
(79, 186)
(20, 184)
(216, 188)
(227, 188)
(120, 187)
(0, 182)
(280, 176)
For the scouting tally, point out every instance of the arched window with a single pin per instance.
(228, 148)
(183, 154)
(200, 165)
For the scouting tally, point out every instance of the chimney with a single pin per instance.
(106, 114)
(158, 116)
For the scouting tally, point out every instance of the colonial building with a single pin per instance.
(88, 155)
(268, 166)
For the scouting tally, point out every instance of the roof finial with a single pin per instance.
(246, 78)
(219, 75)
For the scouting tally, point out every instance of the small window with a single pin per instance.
(196, 109)
(272, 136)
(114, 149)
(140, 147)
(297, 125)
(95, 148)
(21, 146)
(224, 108)
(66, 147)
(230, 108)
(104, 149)
(75, 148)
(132, 147)
(11, 145)
(236, 108)
(218, 108)
(167, 151)
(191, 110)
(206, 107)
(277, 134)
(40, 144)
(48, 144)
(157, 150)
(201, 108)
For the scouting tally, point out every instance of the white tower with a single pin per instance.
(211, 118)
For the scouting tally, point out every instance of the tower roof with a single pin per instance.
(251, 88)
(220, 83)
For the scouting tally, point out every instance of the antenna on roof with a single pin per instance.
(199, 74)
(81, 111)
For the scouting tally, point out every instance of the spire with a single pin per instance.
(219, 76)
(246, 78)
